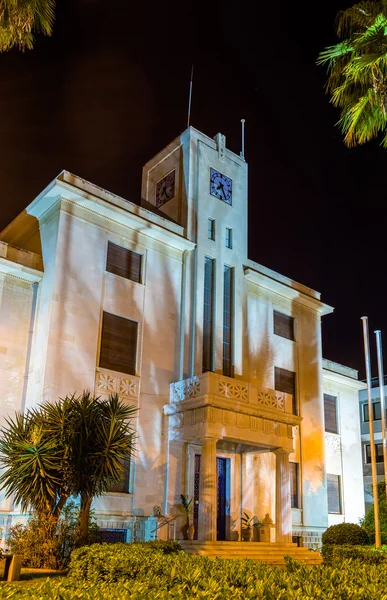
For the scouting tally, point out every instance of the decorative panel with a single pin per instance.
(237, 391)
(125, 386)
(271, 400)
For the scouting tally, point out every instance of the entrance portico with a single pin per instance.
(213, 412)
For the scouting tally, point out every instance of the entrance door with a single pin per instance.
(223, 496)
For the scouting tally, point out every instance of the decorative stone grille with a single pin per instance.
(188, 388)
(234, 391)
(270, 400)
(126, 386)
(333, 441)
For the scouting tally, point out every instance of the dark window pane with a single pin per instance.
(118, 344)
(211, 229)
(123, 485)
(377, 413)
(123, 262)
(378, 452)
(283, 325)
(228, 237)
(294, 484)
(333, 486)
(285, 381)
(208, 314)
(330, 413)
(227, 320)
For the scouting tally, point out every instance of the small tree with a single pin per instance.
(368, 523)
(75, 446)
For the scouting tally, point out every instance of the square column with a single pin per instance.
(283, 510)
(207, 491)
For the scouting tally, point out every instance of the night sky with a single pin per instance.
(110, 89)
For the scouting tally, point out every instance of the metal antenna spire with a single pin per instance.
(190, 97)
(242, 153)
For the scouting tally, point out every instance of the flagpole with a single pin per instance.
(190, 98)
(378, 334)
(371, 424)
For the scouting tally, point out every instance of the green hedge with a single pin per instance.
(179, 576)
(345, 533)
(333, 554)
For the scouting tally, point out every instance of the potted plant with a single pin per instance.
(247, 526)
(187, 529)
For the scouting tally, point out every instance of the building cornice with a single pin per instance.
(344, 380)
(291, 293)
(19, 271)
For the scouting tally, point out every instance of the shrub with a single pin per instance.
(44, 542)
(117, 562)
(180, 576)
(345, 533)
(334, 554)
(47, 542)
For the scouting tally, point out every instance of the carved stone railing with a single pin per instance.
(109, 382)
(333, 440)
(225, 387)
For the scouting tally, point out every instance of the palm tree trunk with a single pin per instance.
(62, 501)
(84, 513)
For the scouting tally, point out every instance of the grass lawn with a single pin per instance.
(32, 576)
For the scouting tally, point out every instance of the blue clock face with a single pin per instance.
(220, 186)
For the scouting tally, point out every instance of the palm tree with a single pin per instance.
(357, 68)
(20, 18)
(32, 464)
(75, 446)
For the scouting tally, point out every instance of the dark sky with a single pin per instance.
(110, 89)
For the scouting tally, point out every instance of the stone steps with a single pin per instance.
(270, 553)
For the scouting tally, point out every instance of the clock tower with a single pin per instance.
(197, 182)
(196, 179)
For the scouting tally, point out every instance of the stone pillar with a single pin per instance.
(283, 510)
(207, 491)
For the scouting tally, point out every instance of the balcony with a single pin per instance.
(214, 405)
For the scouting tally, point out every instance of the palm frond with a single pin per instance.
(20, 18)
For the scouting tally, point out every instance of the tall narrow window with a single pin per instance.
(334, 501)
(330, 413)
(123, 485)
(294, 484)
(228, 237)
(227, 320)
(118, 344)
(123, 262)
(285, 381)
(208, 310)
(283, 325)
(211, 229)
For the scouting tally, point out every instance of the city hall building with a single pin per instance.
(221, 355)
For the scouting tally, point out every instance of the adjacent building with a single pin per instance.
(365, 437)
(221, 355)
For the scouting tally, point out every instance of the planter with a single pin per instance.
(191, 532)
(247, 535)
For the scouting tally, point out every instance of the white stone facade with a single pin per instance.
(56, 289)
(343, 449)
